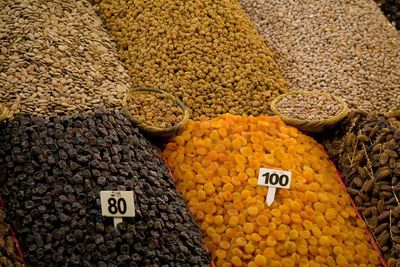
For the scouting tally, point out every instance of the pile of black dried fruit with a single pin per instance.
(8, 254)
(56, 170)
(391, 9)
(366, 150)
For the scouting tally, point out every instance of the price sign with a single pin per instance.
(274, 179)
(117, 204)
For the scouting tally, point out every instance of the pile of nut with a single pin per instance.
(154, 109)
(52, 173)
(391, 9)
(309, 106)
(8, 255)
(346, 48)
(366, 149)
(205, 52)
(57, 57)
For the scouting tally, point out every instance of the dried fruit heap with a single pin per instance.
(366, 150)
(52, 173)
(216, 165)
(205, 52)
(8, 254)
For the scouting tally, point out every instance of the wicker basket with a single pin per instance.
(3, 112)
(153, 130)
(313, 126)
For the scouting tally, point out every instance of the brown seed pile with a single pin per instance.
(8, 255)
(57, 57)
(205, 52)
(347, 48)
(366, 149)
(309, 106)
(154, 109)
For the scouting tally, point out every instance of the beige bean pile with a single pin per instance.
(57, 57)
(309, 106)
(344, 47)
(204, 51)
(154, 109)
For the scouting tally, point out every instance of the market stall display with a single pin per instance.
(347, 48)
(56, 56)
(205, 52)
(216, 164)
(51, 175)
(228, 190)
(366, 150)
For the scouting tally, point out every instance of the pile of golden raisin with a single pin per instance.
(216, 165)
(206, 52)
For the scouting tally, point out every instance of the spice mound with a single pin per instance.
(309, 106)
(154, 109)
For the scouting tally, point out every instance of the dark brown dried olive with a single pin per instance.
(383, 159)
(373, 222)
(368, 186)
(380, 228)
(382, 173)
(363, 138)
(352, 191)
(383, 238)
(383, 216)
(381, 205)
(358, 182)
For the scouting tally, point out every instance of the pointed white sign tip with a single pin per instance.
(117, 220)
(270, 195)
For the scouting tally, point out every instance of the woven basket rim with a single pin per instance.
(321, 122)
(3, 112)
(150, 128)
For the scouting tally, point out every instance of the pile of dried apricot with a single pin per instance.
(216, 165)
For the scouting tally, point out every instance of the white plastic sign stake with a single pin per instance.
(273, 179)
(117, 204)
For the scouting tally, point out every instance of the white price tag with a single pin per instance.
(117, 204)
(274, 179)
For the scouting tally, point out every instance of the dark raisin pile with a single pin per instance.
(52, 172)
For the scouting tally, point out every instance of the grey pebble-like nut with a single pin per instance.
(309, 106)
(346, 48)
